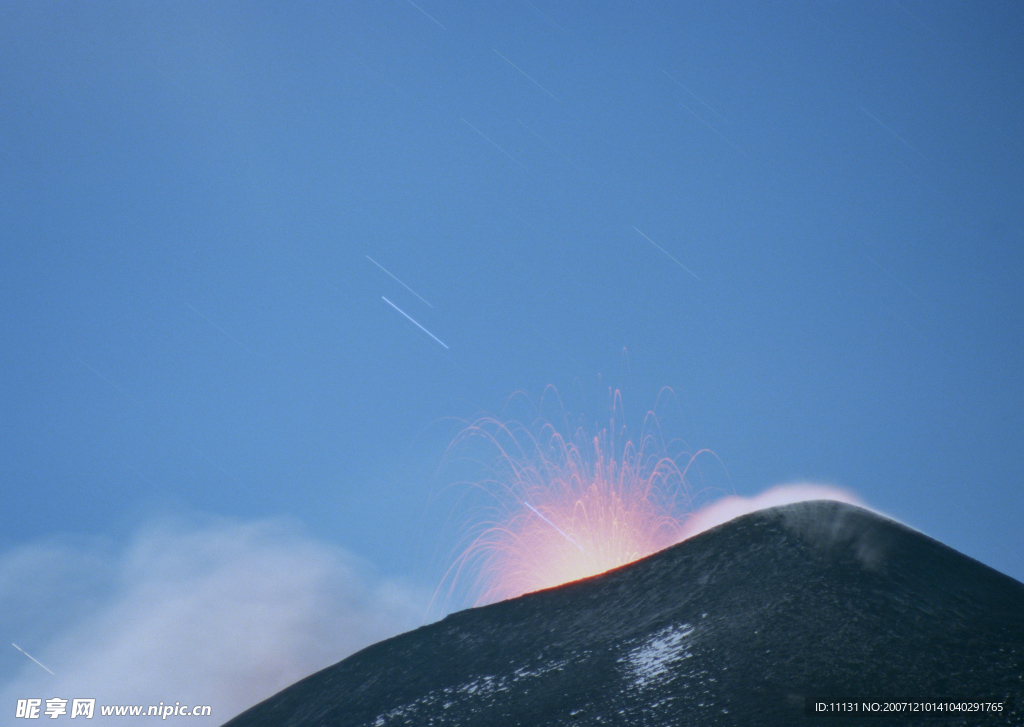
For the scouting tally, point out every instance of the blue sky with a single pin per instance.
(805, 218)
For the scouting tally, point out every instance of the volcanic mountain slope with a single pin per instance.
(745, 624)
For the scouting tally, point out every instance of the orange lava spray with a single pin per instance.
(558, 508)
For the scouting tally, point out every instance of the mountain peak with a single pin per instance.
(747, 623)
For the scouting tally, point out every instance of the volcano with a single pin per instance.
(815, 613)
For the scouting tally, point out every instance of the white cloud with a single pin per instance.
(224, 614)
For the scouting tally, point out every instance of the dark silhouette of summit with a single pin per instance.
(751, 623)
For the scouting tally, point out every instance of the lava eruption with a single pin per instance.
(558, 506)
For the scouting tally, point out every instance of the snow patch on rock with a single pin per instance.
(482, 689)
(651, 661)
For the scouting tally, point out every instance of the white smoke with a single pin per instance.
(225, 615)
(731, 507)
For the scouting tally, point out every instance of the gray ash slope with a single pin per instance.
(737, 626)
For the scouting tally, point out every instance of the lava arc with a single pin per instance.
(560, 507)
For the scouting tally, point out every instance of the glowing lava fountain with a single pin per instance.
(560, 508)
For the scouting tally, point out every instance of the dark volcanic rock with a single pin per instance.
(745, 624)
